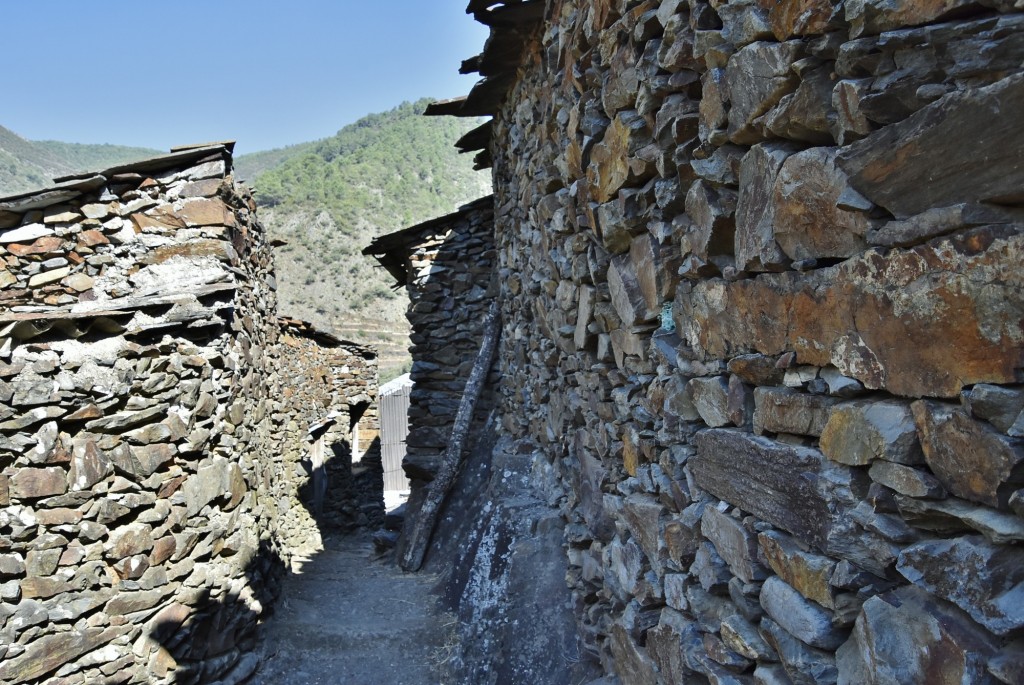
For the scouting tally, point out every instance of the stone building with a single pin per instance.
(152, 410)
(763, 328)
(447, 267)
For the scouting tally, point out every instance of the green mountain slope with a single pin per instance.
(249, 167)
(328, 201)
(27, 164)
(81, 157)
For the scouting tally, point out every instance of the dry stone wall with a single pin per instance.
(332, 388)
(447, 266)
(142, 426)
(762, 298)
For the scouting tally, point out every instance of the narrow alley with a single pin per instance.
(347, 616)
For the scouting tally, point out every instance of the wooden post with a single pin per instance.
(451, 462)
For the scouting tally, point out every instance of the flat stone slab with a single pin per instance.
(942, 315)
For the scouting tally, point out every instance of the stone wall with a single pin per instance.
(762, 298)
(496, 544)
(331, 383)
(447, 267)
(142, 419)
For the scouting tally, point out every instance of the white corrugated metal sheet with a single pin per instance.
(393, 400)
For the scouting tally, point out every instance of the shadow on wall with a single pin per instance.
(340, 493)
(218, 639)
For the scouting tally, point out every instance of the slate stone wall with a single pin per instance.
(332, 383)
(447, 267)
(450, 267)
(764, 318)
(142, 426)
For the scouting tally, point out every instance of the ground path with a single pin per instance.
(347, 617)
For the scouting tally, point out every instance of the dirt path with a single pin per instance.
(347, 618)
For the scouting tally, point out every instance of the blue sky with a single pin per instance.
(265, 73)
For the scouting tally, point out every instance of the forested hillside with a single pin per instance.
(330, 198)
(29, 164)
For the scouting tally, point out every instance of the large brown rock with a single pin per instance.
(201, 212)
(960, 323)
(28, 483)
(807, 113)
(130, 540)
(89, 465)
(970, 458)
(614, 162)
(808, 222)
(790, 18)
(905, 636)
(52, 651)
(758, 75)
(785, 410)
(794, 488)
(918, 163)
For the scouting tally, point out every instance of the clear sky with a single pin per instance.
(263, 72)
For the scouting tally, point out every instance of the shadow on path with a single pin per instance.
(348, 617)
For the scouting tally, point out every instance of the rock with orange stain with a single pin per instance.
(614, 162)
(789, 18)
(43, 245)
(808, 219)
(920, 322)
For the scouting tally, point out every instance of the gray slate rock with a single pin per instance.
(804, 620)
(906, 636)
(985, 580)
(734, 543)
(804, 665)
(908, 167)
